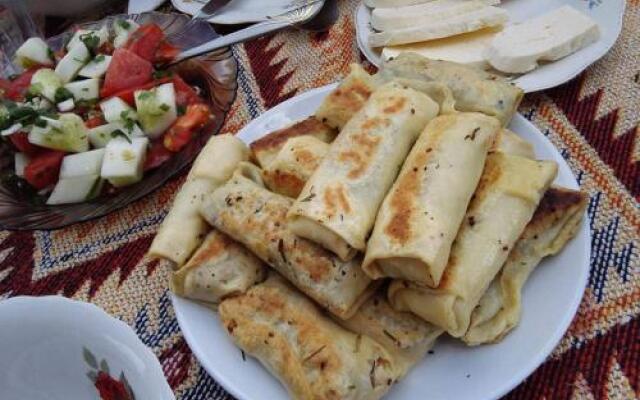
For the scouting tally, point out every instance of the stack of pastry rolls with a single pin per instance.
(401, 210)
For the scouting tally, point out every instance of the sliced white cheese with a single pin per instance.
(46, 82)
(87, 89)
(101, 135)
(97, 67)
(20, 162)
(76, 58)
(467, 49)
(12, 129)
(115, 109)
(34, 51)
(123, 161)
(156, 109)
(384, 19)
(71, 136)
(548, 37)
(75, 190)
(485, 17)
(82, 164)
(123, 28)
(66, 106)
(102, 34)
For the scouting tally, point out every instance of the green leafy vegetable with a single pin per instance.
(164, 107)
(124, 24)
(119, 132)
(91, 41)
(62, 94)
(99, 58)
(161, 74)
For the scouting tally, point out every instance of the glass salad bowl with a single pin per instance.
(21, 208)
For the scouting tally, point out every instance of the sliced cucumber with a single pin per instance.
(71, 63)
(34, 51)
(66, 106)
(123, 161)
(156, 109)
(12, 129)
(123, 28)
(101, 135)
(20, 161)
(71, 136)
(115, 109)
(102, 34)
(45, 82)
(82, 164)
(97, 67)
(75, 189)
(87, 89)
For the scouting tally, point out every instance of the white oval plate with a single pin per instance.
(607, 14)
(550, 300)
(243, 11)
(50, 344)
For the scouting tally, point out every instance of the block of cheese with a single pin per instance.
(386, 19)
(467, 49)
(485, 17)
(548, 37)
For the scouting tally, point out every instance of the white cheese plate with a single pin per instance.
(455, 371)
(607, 14)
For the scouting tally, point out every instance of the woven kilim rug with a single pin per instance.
(593, 120)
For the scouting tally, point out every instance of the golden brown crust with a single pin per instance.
(313, 357)
(266, 148)
(347, 99)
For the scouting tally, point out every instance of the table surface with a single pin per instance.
(593, 120)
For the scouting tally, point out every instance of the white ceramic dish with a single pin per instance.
(454, 371)
(242, 11)
(607, 14)
(50, 345)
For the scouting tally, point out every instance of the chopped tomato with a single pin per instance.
(21, 142)
(95, 121)
(126, 70)
(182, 130)
(145, 41)
(185, 95)
(19, 86)
(156, 156)
(5, 85)
(166, 52)
(43, 169)
(127, 94)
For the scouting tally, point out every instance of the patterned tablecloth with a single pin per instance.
(593, 120)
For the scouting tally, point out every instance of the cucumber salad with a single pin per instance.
(94, 116)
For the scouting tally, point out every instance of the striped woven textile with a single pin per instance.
(593, 120)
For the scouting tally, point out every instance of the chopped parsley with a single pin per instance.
(124, 24)
(90, 40)
(181, 109)
(164, 107)
(118, 132)
(147, 94)
(127, 121)
(161, 74)
(40, 123)
(99, 58)
(50, 53)
(62, 94)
